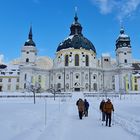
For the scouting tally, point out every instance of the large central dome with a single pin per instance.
(76, 39)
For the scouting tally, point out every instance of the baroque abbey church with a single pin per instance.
(75, 67)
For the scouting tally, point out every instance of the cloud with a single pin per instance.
(128, 8)
(105, 6)
(122, 8)
(1, 58)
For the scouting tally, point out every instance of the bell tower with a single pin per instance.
(123, 50)
(29, 51)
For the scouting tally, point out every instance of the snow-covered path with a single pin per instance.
(71, 127)
(22, 120)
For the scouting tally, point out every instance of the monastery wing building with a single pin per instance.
(75, 67)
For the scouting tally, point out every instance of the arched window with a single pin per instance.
(67, 86)
(58, 86)
(94, 76)
(25, 76)
(87, 60)
(76, 60)
(27, 60)
(86, 86)
(66, 60)
(125, 61)
(95, 86)
(24, 85)
(39, 78)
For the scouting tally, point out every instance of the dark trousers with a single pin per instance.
(86, 112)
(103, 116)
(80, 114)
(108, 118)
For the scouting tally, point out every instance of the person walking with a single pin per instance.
(101, 107)
(86, 107)
(80, 105)
(108, 108)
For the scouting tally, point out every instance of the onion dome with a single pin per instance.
(76, 39)
(30, 41)
(123, 40)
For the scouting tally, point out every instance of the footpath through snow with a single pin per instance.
(69, 127)
(27, 121)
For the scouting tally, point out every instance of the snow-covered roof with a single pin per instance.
(123, 36)
(105, 55)
(44, 62)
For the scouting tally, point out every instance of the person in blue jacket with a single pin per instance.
(86, 107)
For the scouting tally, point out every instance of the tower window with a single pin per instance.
(59, 77)
(125, 61)
(125, 53)
(76, 60)
(106, 60)
(66, 60)
(94, 76)
(27, 52)
(27, 60)
(25, 77)
(87, 60)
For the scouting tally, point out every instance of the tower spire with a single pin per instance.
(76, 17)
(30, 33)
(30, 41)
(122, 27)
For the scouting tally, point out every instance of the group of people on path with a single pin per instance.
(106, 108)
(83, 107)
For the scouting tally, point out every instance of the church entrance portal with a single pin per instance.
(77, 89)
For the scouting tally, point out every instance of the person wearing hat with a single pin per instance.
(108, 108)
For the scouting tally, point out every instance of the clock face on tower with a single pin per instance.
(124, 44)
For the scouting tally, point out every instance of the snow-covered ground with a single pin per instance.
(20, 119)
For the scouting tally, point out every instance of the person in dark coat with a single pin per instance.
(86, 107)
(80, 105)
(108, 107)
(102, 109)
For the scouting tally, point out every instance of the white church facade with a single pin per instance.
(75, 67)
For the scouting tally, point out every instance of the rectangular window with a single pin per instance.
(9, 80)
(17, 87)
(135, 80)
(10, 72)
(136, 87)
(9, 87)
(3, 73)
(39, 78)
(17, 79)
(0, 79)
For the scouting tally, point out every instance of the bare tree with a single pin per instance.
(34, 88)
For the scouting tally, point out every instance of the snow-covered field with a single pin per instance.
(20, 119)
